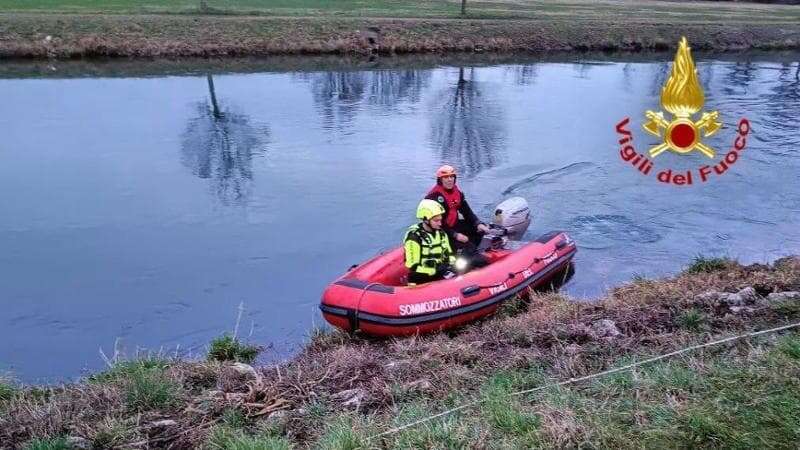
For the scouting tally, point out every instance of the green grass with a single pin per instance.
(151, 389)
(345, 432)
(233, 418)
(125, 369)
(318, 411)
(691, 320)
(787, 308)
(227, 348)
(113, 432)
(507, 415)
(58, 443)
(725, 400)
(7, 391)
(716, 402)
(270, 7)
(790, 346)
(452, 432)
(146, 383)
(225, 438)
(702, 264)
(529, 9)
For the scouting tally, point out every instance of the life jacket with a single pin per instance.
(425, 251)
(451, 200)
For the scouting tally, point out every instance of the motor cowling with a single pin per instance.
(514, 215)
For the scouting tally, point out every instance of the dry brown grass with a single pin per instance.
(554, 336)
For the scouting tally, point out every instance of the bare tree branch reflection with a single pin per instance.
(467, 126)
(627, 76)
(705, 71)
(389, 88)
(336, 95)
(524, 75)
(782, 114)
(219, 144)
(739, 77)
(583, 70)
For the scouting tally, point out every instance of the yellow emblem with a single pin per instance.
(682, 96)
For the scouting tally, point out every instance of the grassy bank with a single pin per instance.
(340, 390)
(75, 28)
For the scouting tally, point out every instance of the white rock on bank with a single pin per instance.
(721, 298)
(166, 423)
(278, 415)
(78, 443)
(396, 366)
(783, 296)
(246, 371)
(350, 397)
(418, 385)
(749, 295)
(605, 328)
(278, 419)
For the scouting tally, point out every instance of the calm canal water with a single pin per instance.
(144, 205)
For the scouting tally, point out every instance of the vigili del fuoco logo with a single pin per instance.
(682, 97)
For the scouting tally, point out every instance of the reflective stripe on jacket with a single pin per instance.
(426, 251)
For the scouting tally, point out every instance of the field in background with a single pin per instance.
(518, 9)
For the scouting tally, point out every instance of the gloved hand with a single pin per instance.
(445, 271)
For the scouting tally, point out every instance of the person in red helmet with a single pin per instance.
(460, 223)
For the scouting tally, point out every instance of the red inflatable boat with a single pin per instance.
(374, 298)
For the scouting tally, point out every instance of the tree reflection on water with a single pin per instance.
(524, 75)
(781, 118)
(467, 126)
(390, 88)
(339, 96)
(738, 77)
(219, 144)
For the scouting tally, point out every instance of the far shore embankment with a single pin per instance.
(65, 34)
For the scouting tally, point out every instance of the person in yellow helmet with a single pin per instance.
(428, 255)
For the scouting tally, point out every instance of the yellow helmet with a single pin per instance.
(428, 209)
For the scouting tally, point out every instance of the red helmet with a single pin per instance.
(446, 171)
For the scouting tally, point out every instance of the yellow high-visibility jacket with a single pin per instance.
(426, 251)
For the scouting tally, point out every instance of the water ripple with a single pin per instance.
(550, 175)
(603, 230)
